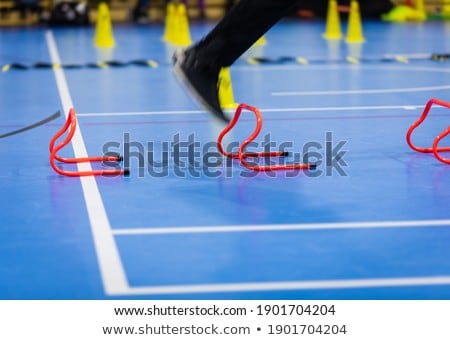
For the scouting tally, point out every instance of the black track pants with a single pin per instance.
(239, 29)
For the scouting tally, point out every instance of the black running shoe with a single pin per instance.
(200, 80)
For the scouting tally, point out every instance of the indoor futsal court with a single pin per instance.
(372, 221)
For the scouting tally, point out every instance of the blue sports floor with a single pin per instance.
(372, 222)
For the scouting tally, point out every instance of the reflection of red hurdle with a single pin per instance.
(435, 149)
(242, 155)
(71, 125)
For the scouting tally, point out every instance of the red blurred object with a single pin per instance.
(70, 126)
(435, 149)
(242, 155)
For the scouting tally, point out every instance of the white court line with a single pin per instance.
(110, 265)
(282, 227)
(312, 67)
(149, 113)
(367, 91)
(292, 285)
(289, 285)
(288, 109)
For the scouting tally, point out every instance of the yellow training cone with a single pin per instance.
(182, 36)
(445, 9)
(103, 31)
(261, 41)
(421, 12)
(226, 96)
(169, 22)
(354, 29)
(333, 24)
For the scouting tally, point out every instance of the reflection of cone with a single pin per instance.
(333, 25)
(226, 96)
(334, 49)
(103, 30)
(354, 29)
(181, 36)
(354, 53)
(169, 22)
(261, 41)
(105, 54)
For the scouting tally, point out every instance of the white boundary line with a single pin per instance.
(282, 227)
(149, 113)
(288, 285)
(312, 67)
(288, 109)
(292, 285)
(366, 91)
(110, 264)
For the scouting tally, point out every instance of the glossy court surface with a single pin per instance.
(372, 222)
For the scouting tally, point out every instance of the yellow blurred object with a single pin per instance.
(354, 29)
(226, 96)
(261, 41)
(402, 13)
(333, 23)
(104, 37)
(169, 22)
(445, 8)
(181, 35)
(420, 8)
